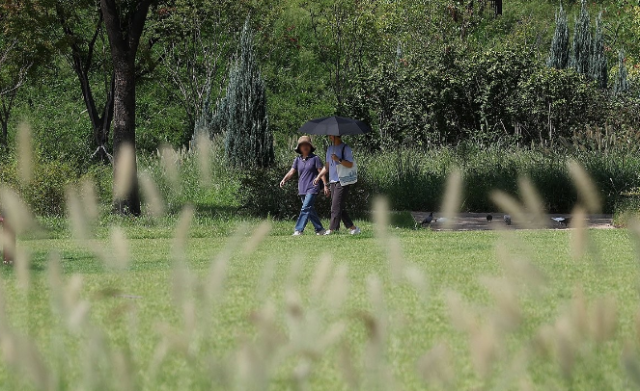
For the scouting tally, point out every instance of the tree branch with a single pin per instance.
(138, 19)
(112, 23)
(92, 43)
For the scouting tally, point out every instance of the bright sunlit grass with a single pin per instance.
(138, 308)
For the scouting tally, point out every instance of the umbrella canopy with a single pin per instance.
(335, 126)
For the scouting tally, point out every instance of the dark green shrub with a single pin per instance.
(403, 178)
(553, 103)
(102, 176)
(503, 94)
(45, 194)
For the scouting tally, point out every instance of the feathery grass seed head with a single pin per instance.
(587, 190)
(125, 172)
(25, 153)
(452, 198)
(152, 196)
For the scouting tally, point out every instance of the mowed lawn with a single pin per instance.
(415, 321)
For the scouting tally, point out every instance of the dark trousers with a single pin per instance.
(338, 212)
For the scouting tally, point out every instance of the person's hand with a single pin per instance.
(315, 181)
(327, 192)
(282, 182)
(335, 157)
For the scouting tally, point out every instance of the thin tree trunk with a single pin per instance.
(81, 62)
(4, 135)
(4, 122)
(102, 126)
(100, 123)
(6, 104)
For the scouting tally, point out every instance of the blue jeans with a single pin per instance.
(308, 212)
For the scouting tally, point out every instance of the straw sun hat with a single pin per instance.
(304, 140)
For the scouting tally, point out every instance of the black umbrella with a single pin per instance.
(334, 126)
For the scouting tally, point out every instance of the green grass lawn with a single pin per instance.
(140, 308)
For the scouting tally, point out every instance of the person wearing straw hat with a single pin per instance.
(308, 166)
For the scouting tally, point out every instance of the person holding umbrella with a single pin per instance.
(307, 165)
(339, 157)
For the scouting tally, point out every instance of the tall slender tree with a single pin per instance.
(124, 21)
(599, 70)
(622, 84)
(242, 114)
(581, 49)
(559, 53)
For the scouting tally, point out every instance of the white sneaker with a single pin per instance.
(297, 233)
(328, 232)
(320, 233)
(355, 231)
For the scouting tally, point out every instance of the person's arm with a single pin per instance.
(287, 177)
(346, 163)
(322, 175)
(347, 159)
(325, 182)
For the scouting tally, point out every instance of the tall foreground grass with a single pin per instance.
(296, 333)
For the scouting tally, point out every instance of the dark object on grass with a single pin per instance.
(562, 220)
(335, 126)
(10, 243)
(497, 7)
(489, 218)
(428, 220)
(507, 219)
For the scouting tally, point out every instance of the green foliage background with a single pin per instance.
(430, 77)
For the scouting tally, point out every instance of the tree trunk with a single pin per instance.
(124, 22)
(124, 132)
(100, 123)
(102, 126)
(6, 104)
(82, 63)
(497, 7)
(4, 134)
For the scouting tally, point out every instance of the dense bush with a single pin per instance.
(553, 103)
(102, 176)
(460, 94)
(45, 193)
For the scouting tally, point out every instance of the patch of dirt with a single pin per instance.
(479, 222)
